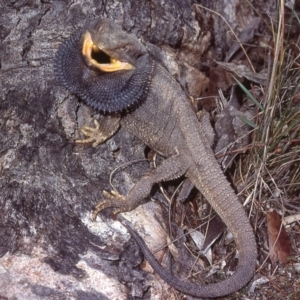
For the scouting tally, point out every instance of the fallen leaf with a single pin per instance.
(279, 243)
(243, 71)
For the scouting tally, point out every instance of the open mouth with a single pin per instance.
(99, 59)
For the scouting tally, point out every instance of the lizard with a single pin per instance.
(112, 71)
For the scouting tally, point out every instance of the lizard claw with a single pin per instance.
(93, 135)
(113, 199)
(114, 195)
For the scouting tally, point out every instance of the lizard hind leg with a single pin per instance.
(103, 130)
(171, 168)
(112, 198)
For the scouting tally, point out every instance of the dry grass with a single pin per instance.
(274, 168)
(270, 171)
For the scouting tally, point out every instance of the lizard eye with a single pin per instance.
(125, 48)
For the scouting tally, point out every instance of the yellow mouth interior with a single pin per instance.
(96, 57)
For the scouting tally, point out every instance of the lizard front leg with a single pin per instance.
(103, 130)
(171, 168)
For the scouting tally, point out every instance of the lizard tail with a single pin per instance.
(225, 202)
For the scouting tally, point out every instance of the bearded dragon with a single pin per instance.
(113, 72)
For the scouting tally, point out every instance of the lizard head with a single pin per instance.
(110, 52)
(106, 67)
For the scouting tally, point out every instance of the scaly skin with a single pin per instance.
(165, 121)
